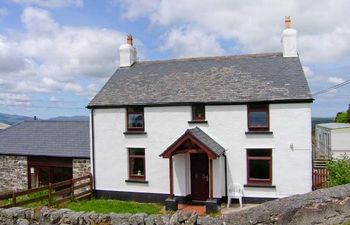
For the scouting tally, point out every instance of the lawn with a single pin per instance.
(116, 206)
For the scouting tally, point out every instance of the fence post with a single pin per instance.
(50, 193)
(13, 198)
(90, 179)
(72, 190)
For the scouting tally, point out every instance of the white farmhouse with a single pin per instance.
(184, 129)
(333, 139)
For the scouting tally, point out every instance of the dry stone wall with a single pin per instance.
(13, 173)
(325, 206)
(328, 206)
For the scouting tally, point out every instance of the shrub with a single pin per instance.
(339, 171)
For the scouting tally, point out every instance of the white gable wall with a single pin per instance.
(227, 124)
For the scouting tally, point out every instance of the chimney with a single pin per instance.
(127, 53)
(289, 39)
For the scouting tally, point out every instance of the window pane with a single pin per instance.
(135, 120)
(259, 169)
(198, 112)
(258, 119)
(259, 152)
(137, 167)
(136, 151)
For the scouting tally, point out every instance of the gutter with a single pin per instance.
(93, 148)
(225, 173)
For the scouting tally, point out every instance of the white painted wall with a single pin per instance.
(227, 124)
(340, 142)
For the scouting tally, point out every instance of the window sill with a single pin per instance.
(259, 132)
(260, 185)
(135, 132)
(198, 121)
(136, 181)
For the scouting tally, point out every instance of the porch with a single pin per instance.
(195, 152)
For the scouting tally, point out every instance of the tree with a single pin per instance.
(339, 171)
(342, 117)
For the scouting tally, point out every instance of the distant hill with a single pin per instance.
(12, 119)
(79, 118)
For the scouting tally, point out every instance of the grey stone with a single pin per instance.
(137, 219)
(71, 217)
(56, 216)
(183, 218)
(22, 222)
(122, 219)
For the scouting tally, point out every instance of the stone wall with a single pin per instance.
(13, 173)
(81, 167)
(328, 206)
(324, 206)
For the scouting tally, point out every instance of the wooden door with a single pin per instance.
(199, 177)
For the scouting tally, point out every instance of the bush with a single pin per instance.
(339, 171)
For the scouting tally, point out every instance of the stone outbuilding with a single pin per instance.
(38, 152)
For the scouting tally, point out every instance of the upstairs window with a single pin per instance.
(198, 112)
(259, 163)
(135, 118)
(258, 117)
(136, 164)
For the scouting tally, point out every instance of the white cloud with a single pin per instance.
(186, 42)
(140, 8)
(308, 72)
(323, 28)
(14, 99)
(335, 80)
(49, 57)
(51, 3)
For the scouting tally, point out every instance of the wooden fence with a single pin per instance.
(319, 178)
(52, 194)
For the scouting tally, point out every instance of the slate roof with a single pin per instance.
(334, 125)
(207, 140)
(47, 138)
(211, 80)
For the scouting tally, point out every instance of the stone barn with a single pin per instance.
(35, 153)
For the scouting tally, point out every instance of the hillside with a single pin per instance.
(12, 119)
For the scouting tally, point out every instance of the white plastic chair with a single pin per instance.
(235, 190)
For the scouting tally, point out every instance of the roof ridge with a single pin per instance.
(36, 121)
(252, 55)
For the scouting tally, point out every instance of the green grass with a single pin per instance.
(116, 206)
(27, 197)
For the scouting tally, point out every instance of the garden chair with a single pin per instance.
(235, 190)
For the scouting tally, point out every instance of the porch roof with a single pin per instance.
(203, 140)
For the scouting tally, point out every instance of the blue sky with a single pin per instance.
(55, 55)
